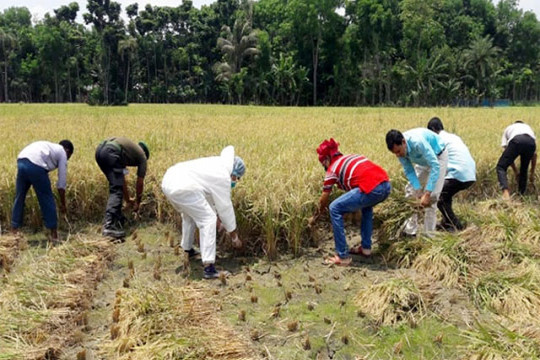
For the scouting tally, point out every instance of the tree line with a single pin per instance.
(274, 52)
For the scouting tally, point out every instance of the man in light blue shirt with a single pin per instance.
(427, 152)
(461, 174)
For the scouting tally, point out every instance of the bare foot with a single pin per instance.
(506, 195)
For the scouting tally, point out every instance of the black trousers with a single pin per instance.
(523, 146)
(451, 187)
(109, 160)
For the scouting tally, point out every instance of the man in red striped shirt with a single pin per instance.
(366, 183)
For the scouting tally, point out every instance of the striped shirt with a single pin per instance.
(354, 171)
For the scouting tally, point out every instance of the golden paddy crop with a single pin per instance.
(283, 176)
(492, 265)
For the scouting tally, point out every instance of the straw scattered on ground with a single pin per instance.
(168, 322)
(392, 301)
(44, 301)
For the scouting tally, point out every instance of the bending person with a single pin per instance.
(113, 156)
(200, 190)
(366, 183)
(517, 140)
(461, 174)
(427, 152)
(33, 165)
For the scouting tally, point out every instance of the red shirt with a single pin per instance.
(351, 171)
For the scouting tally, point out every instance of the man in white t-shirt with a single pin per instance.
(460, 174)
(33, 165)
(517, 140)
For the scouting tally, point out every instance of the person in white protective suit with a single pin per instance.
(200, 190)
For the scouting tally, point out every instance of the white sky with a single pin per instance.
(38, 8)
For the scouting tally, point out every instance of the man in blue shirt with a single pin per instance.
(427, 151)
(461, 174)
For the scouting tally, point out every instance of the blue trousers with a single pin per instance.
(29, 174)
(353, 201)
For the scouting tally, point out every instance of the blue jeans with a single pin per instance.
(353, 201)
(30, 174)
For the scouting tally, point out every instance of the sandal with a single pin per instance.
(359, 251)
(336, 260)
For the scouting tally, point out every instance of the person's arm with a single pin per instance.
(533, 167)
(221, 198)
(434, 171)
(62, 180)
(433, 163)
(236, 242)
(323, 204)
(408, 168)
(125, 190)
(514, 167)
(62, 194)
(139, 191)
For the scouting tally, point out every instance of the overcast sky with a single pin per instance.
(39, 7)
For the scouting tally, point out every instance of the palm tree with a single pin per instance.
(428, 74)
(8, 44)
(126, 48)
(481, 60)
(236, 44)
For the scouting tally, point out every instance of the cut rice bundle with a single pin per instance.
(160, 321)
(391, 302)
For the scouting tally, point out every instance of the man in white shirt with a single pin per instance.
(200, 190)
(460, 174)
(33, 165)
(517, 140)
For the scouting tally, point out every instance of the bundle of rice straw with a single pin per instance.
(159, 321)
(392, 301)
(42, 305)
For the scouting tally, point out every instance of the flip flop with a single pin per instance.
(359, 251)
(336, 260)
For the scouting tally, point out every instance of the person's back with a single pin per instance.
(44, 154)
(212, 175)
(461, 165)
(417, 135)
(198, 174)
(132, 154)
(516, 129)
(350, 171)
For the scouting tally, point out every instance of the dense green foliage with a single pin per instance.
(276, 52)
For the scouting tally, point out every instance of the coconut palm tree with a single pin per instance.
(480, 60)
(236, 44)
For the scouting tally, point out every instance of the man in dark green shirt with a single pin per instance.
(112, 156)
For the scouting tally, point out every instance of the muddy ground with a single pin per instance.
(290, 308)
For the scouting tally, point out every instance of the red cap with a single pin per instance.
(327, 148)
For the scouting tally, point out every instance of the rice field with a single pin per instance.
(469, 295)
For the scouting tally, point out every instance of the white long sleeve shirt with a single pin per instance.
(212, 177)
(49, 156)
